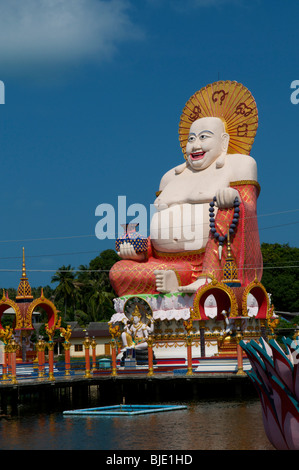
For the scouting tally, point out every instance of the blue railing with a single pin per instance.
(29, 371)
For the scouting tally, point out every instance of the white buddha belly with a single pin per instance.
(181, 227)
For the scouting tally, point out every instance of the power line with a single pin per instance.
(46, 238)
(73, 253)
(75, 271)
(97, 251)
(49, 255)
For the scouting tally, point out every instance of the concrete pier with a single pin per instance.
(73, 392)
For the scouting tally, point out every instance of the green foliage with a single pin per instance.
(65, 277)
(7, 320)
(86, 295)
(281, 275)
(47, 290)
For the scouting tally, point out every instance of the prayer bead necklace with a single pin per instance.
(232, 228)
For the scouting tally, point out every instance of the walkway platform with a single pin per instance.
(74, 391)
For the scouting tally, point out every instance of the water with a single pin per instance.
(204, 425)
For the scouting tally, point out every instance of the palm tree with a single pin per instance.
(100, 300)
(88, 289)
(94, 303)
(67, 286)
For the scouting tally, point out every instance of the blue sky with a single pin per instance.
(94, 90)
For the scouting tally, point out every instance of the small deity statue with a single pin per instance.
(229, 327)
(114, 330)
(6, 334)
(51, 330)
(214, 188)
(66, 333)
(136, 334)
(188, 325)
(272, 324)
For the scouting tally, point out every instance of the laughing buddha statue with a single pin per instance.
(211, 195)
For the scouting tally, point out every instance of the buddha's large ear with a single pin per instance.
(225, 141)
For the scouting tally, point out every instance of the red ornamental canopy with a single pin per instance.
(24, 305)
(231, 299)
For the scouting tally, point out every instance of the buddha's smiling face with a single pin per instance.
(207, 141)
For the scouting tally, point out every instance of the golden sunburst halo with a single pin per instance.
(230, 101)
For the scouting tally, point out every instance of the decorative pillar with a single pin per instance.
(150, 357)
(114, 343)
(13, 347)
(5, 364)
(188, 324)
(113, 352)
(66, 334)
(6, 335)
(67, 357)
(51, 360)
(202, 338)
(189, 355)
(43, 356)
(40, 347)
(239, 353)
(51, 332)
(87, 343)
(94, 360)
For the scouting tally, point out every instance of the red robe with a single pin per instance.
(129, 277)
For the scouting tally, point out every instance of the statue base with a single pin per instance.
(138, 358)
(168, 332)
(227, 346)
(130, 363)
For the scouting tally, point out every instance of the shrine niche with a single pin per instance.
(225, 300)
(24, 306)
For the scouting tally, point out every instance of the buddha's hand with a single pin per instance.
(127, 251)
(160, 204)
(225, 197)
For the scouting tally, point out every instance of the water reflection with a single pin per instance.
(204, 425)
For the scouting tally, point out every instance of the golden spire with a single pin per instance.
(24, 289)
(24, 266)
